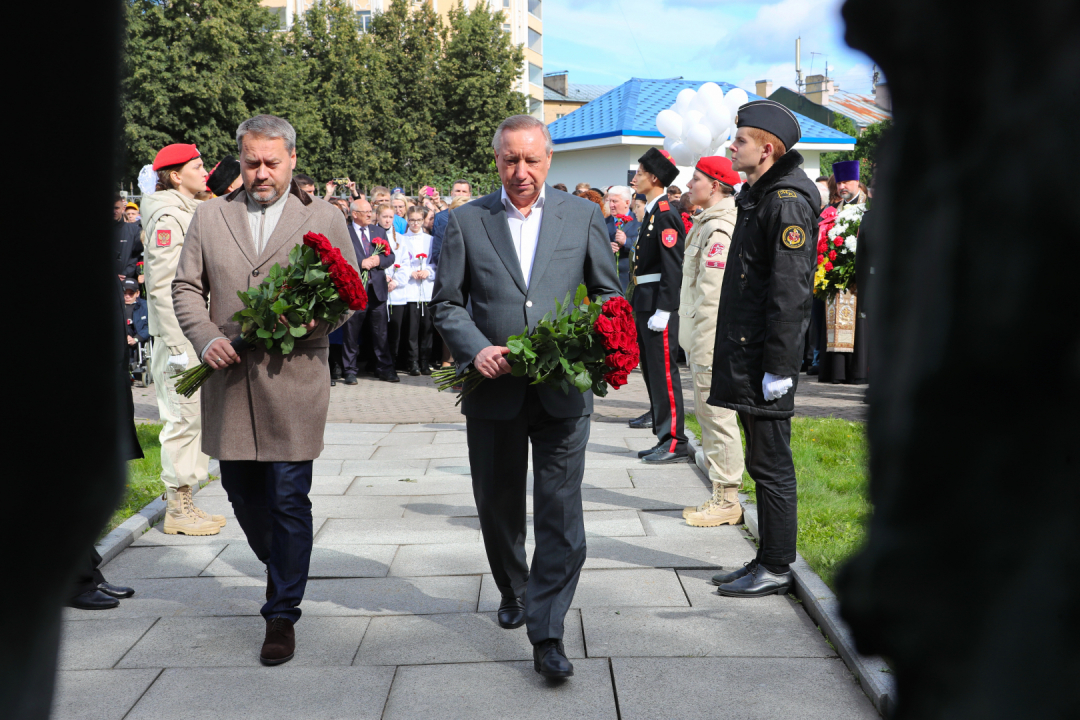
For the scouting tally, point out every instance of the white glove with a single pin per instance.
(775, 386)
(177, 363)
(658, 321)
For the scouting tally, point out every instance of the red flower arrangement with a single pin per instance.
(379, 246)
(588, 345)
(317, 284)
(687, 221)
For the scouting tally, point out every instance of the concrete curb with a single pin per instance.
(125, 533)
(874, 676)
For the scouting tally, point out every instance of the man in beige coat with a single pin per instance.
(712, 187)
(263, 414)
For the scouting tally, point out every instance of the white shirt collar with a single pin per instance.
(652, 203)
(538, 205)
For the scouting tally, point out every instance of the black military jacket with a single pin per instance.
(767, 291)
(659, 249)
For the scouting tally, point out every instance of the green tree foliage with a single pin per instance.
(479, 73)
(866, 149)
(412, 101)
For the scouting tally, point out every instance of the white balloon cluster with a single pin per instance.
(699, 122)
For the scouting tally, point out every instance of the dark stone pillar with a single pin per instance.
(968, 580)
(65, 432)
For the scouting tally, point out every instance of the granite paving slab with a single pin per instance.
(645, 587)
(450, 436)
(739, 689)
(327, 561)
(404, 467)
(670, 524)
(674, 475)
(449, 466)
(718, 547)
(99, 694)
(231, 533)
(344, 506)
(347, 452)
(328, 467)
(675, 498)
(410, 451)
(458, 638)
(271, 693)
(414, 438)
(392, 596)
(444, 559)
(410, 484)
(163, 561)
(612, 523)
(98, 644)
(236, 641)
(346, 435)
(500, 690)
(408, 531)
(606, 478)
(455, 505)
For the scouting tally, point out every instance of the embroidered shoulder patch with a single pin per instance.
(716, 249)
(718, 264)
(794, 237)
(669, 237)
(663, 205)
(787, 194)
(164, 238)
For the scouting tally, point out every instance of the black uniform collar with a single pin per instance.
(783, 167)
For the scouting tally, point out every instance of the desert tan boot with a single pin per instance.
(181, 517)
(723, 509)
(717, 491)
(219, 519)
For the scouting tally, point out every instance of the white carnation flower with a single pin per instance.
(851, 242)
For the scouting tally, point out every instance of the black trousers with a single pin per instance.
(659, 351)
(498, 453)
(421, 332)
(271, 503)
(88, 577)
(369, 324)
(397, 332)
(769, 463)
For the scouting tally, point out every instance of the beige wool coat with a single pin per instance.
(269, 407)
(704, 260)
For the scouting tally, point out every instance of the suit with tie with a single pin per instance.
(370, 322)
(482, 264)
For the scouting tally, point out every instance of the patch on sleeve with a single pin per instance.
(669, 237)
(787, 194)
(794, 237)
(663, 205)
(164, 238)
(715, 251)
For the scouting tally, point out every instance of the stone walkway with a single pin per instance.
(414, 400)
(399, 613)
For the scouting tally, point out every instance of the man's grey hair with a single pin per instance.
(622, 191)
(521, 122)
(268, 126)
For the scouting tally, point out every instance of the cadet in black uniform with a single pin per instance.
(657, 278)
(764, 311)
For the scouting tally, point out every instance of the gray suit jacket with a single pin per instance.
(478, 263)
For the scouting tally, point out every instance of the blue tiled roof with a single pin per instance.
(631, 108)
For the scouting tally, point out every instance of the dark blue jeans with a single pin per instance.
(271, 503)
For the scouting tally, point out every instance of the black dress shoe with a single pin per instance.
(279, 645)
(650, 451)
(117, 591)
(93, 600)
(414, 371)
(758, 582)
(663, 457)
(643, 422)
(724, 578)
(813, 370)
(549, 659)
(425, 369)
(349, 380)
(390, 377)
(511, 613)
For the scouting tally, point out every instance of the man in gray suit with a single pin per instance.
(512, 254)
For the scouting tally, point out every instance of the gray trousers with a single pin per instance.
(498, 454)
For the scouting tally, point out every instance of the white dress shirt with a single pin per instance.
(414, 245)
(652, 203)
(361, 231)
(525, 231)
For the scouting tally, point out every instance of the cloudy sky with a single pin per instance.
(609, 41)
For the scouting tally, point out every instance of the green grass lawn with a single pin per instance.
(144, 477)
(830, 464)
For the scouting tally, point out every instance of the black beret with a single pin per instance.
(660, 165)
(222, 176)
(771, 117)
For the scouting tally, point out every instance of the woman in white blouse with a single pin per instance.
(420, 282)
(397, 280)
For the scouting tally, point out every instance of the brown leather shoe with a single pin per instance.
(280, 642)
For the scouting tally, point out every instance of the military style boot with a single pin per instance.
(183, 518)
(219, 519)
(722, 509)
(716, 492)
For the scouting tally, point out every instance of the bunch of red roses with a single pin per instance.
(615, 326)
(317, 284)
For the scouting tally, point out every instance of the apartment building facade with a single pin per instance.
(523, 21)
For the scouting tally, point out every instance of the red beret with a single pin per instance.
(175, 154)
(718, 168)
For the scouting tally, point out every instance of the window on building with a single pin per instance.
(506, 4)
(534, 7)
(536, 41)
(536, 108)
(364, 16)
(506, 27)
(559, 115)
(279, 17)
(536, 75)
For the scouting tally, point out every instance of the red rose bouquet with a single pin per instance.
(378, 247)
(317, 284)
(585, 345)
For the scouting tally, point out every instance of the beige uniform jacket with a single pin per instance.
(269, 407)
(706, 254)
(167, 215)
